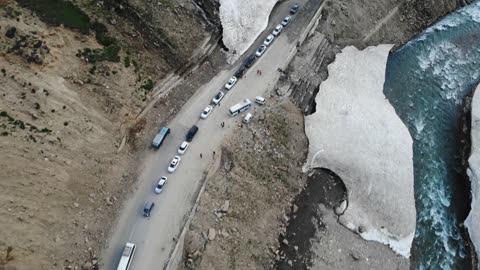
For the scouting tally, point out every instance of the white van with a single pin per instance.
(247, 118)
(260, 100)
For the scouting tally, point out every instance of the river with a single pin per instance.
(428, 81)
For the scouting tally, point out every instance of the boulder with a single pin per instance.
(193, 242)
(211, 234)
(339, 210)
(225, 206)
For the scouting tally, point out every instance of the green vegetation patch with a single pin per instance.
(64, 12)
(15, 123)
(148, 85)
(109, 53)
(58, 12)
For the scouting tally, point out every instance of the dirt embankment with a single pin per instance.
(243, 211)
(69, 94)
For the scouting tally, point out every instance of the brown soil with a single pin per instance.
(258, 175)
(61, 123)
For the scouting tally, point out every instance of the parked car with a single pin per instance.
(260, 100)
(183, 147)
(268, 40)
(261, 50)
(206, 112)
(247, 118)
(231, 82)
(294, 9)
(250, 60)
(286, 21)
(216, 99)
(240, 72)
(147, 209)
(174, 164)
(277, 30)
(161, 183)
(191, 133)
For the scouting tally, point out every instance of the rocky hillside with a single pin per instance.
(74, 76)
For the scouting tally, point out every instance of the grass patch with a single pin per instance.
(58, 12)
(126, 60)
(109, 53)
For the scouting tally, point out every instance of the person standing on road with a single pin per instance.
(201, 155)
(213, 154)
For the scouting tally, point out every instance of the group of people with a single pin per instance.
(259, 72)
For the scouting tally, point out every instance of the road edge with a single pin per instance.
(176, 256)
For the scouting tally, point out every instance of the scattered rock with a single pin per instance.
(295, 208)
(361, 229)
(296, 248)
(339, 210)
(197, 254)
(285, 242)
(225, 206)
(225, 233)
(189, 263)
(108, 200)
(87, 266)
(75, 204)
(355, 255)
(290, 262)
(194, 242)
(204, 236)
(211, 234)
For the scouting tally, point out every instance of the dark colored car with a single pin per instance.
(250, 60)
(294, 9)
(147, 210)
(240, 72)
(191, 133)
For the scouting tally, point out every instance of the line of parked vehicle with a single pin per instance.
(234, 110)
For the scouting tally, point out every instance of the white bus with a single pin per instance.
(240, 107)
(127, 257)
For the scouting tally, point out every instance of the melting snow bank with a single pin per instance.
(243, 21)
(356, 133)
(473, 220)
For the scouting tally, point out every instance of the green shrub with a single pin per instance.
(148, 85)
(126, 60)
(109, 53)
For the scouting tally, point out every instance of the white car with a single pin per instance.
(277, 30)
(206, 112)
(183, 147)
(286, 21)
(216, 99)
(231, 83)
(174, 164)
(261, 50)
(268, 40)
(161, 183)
